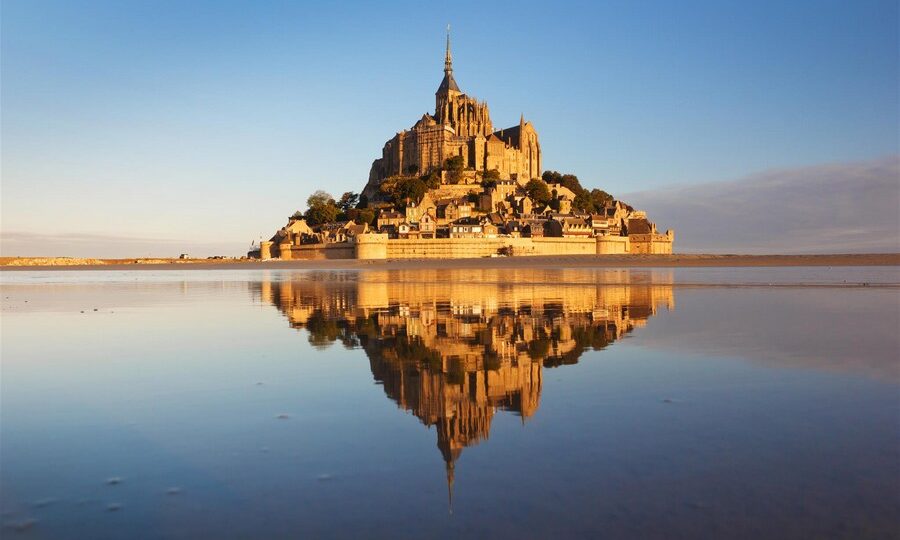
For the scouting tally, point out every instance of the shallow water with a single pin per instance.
(725, 403)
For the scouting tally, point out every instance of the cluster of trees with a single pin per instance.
(401, 189)
(454, 167)
(585, 200)
(322, 208)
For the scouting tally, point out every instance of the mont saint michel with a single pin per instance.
(455, 186)
(461, 312)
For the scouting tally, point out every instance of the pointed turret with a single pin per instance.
(448, 84)
(448, 58)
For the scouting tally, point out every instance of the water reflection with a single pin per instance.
(454, 351)
(178, 399)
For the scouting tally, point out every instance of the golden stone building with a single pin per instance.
(460, 126)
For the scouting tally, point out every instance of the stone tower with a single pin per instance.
(460, 126)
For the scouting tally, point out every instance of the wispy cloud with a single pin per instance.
(28, 244)
(847, 207)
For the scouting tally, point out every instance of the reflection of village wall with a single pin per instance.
(452, 347)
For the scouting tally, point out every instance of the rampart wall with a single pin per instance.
(379, 246)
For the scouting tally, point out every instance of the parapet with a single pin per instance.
(265, 250)
(371, 246)
(611, 245)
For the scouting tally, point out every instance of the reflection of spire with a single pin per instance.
(450, 465)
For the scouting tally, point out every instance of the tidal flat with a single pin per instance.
(446, 402)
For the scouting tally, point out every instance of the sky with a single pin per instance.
(154, 128)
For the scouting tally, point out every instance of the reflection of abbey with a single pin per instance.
(454, 186)
(455, 349)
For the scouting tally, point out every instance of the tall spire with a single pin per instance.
(448, 58)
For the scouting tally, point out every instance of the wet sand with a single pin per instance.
(552, 261)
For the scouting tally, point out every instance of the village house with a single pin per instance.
(389, 217)
(449, 210)
(489, 230)
(534, 228)
(466, 228)
(428, 225)
(570, 227)
(513, 229)
(415, 211)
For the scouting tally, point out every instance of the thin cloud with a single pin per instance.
(28, 244)
(848, 207)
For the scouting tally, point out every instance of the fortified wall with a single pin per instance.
(379, 246)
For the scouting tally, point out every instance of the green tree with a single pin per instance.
(321, 208)
(454, 167)
(551, 177)
(348, 200)
(571, 181)
(432, 179)
(366, 215)
(409, 188)
(538, 191)
(600, 199)
(490, 178)
(583, 202)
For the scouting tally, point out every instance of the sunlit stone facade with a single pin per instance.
(460, 126)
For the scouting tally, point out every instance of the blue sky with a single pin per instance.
(210, 122)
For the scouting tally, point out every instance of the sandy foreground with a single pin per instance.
(551, 261)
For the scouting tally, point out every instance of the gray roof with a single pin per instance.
(449, 83)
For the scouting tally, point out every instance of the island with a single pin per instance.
(453, 186)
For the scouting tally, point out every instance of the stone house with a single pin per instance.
(466, 228)
(352, 230)
(389, 217)
(599, 224)
(569, 227)
(415, 211)
(330, 233)
(428, 225)
(513, 229)
(450, 210)
(534, 228)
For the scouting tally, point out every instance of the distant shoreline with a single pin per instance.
(549, 261)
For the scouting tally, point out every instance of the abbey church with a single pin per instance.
(460, 126)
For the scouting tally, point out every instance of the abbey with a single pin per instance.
(453, 186)
(460, 126)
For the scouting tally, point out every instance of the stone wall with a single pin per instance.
(612, 245)
(652, 244)
(379, 246)
(341, 250)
